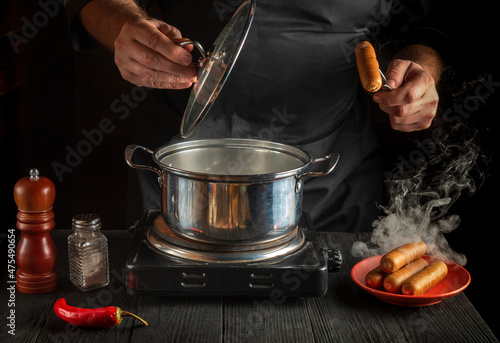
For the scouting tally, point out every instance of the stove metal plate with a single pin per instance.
(163, 239)
(165, 233)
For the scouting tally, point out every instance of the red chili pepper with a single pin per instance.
(103, 317)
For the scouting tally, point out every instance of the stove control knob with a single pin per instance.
(334, 260)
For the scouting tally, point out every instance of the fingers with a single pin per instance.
(155, 39)
(412, 104)
(396, 72)
(144, 61)
(146, 55)
(138, 74)
(413, 93)
(419, 120)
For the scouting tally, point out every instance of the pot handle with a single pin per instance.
(333, 158)
(129, 152)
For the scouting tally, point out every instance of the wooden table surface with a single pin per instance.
(345, 314)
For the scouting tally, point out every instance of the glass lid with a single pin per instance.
(215, 66)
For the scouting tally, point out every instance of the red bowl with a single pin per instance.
(455, 282)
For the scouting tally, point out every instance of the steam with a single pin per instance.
(419, 200)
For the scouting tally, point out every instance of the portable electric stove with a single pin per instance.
(162, 262)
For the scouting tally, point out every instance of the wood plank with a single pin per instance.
(262, 320)
(31, 314)
(180, 319)
(448, 321)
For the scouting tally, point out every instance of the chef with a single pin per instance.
(295, 82)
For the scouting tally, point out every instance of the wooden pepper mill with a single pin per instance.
(36, 252)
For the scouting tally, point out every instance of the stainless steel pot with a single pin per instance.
(230, 190)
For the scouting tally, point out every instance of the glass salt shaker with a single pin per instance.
(88, 253)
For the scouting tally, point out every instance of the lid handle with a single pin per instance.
(186, 41)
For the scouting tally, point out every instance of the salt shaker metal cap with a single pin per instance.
(86, 221)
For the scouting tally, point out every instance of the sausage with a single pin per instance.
(393, 282)
(368, 67)
(375, 277)
(425, 279)
(401, 256)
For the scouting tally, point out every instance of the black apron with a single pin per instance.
(295, 82)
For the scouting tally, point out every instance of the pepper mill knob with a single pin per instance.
(34, 193)
(36, 251)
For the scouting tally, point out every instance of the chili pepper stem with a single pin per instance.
(120, 314)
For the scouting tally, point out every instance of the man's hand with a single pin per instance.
(144, 48)
(413, 102)
(146, 55)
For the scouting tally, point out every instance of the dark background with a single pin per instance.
(49, 94)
